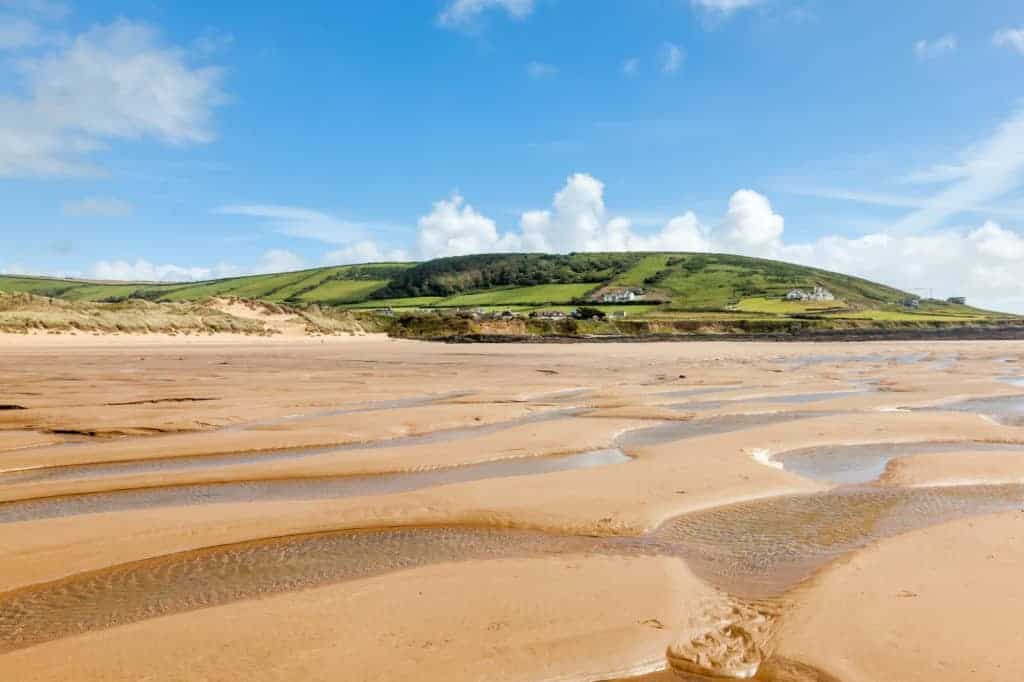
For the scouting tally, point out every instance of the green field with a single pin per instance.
(780, 306)
(678, 286)
(536, 295)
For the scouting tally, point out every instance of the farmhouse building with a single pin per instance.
(619, 296)
(816, 294)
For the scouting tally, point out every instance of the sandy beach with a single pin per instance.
(362, 508)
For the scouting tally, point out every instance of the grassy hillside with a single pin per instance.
(673, 286)
(330, 286)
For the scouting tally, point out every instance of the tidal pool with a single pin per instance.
(854, 464)
(1006, 409)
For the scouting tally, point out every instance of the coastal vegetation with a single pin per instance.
(639, 294)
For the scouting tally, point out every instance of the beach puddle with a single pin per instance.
(754, 549)
(200, 462)
(670, 432)
(302, 489)
(1007, 409)
(790, 399)
(856, 464)
(873, 358)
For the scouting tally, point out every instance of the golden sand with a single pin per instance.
(157, 496)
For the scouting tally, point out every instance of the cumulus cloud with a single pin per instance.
(462, 14)
(113, 82)
(97, 207)
(750, 222)
(672, 57)
(932, 49)
(454, 228)
(982, 264)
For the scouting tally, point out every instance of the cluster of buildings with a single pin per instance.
(816, 294)
(621, 295)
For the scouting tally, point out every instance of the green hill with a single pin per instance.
(665, 284)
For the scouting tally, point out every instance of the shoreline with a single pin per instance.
(1002, 333)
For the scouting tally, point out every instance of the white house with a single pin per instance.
(619, 296)
(816, 294)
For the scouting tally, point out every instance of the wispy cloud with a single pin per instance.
(296, 221)
(992, 168)
(672, 57)
(933, 49)
(630, 67)
(985, 172)
(890, 200)
(539, 70)
(114, 82)
(1011, 38)
(463, 14)
(97, 207)
(723, 8)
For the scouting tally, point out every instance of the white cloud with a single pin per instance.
(936, 174)
(577, 221)
(142, 270)
(112, 82)
(990, 169)
(724, 7)
(305, 223)
(454, 228)
(750, 222)
(280, 260)
(465, 13)
(672, 57)
(538, 70)
(982, 264)
(1012, 38)
(630, 66)
(932, 49)
(365, 251)
(99, 207)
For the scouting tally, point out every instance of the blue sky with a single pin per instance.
(162, 140)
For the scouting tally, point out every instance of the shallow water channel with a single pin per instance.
(756, 549)
(319, 488)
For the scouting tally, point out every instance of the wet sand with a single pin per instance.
(360, 508)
